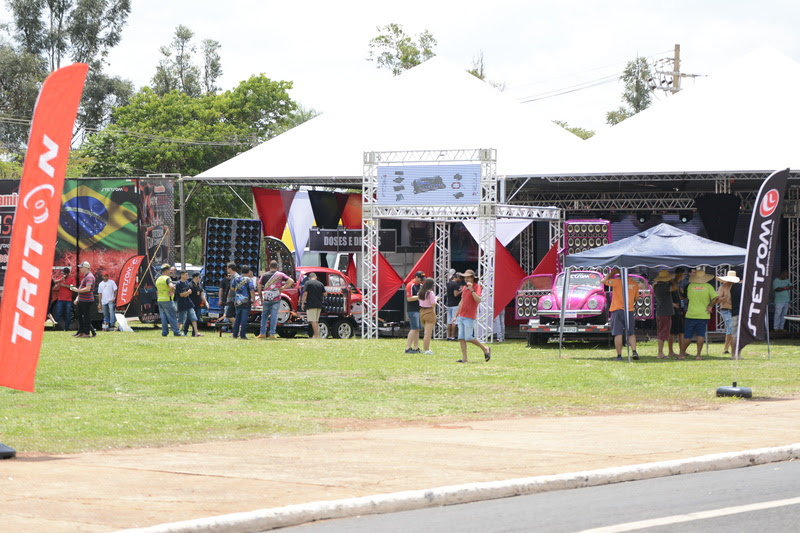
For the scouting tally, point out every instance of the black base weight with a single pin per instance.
(6, 452)
(738, 392)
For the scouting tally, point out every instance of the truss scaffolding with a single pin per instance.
(486, 212)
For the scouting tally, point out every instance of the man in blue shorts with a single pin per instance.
(699, 294)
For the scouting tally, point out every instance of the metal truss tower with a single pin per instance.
(486, 212)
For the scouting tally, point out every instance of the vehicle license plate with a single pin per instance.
(570, 329)
(213, 315)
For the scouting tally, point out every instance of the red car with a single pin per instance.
(341, 311)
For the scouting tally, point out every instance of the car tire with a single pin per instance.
(343, 328)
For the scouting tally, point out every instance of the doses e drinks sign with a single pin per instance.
(429, 185)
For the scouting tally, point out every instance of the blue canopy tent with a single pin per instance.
(661, 246)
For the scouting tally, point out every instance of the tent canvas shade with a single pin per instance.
(661, 246)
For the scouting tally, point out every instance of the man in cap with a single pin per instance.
(84, 300)
(414, 324)
(466, 316)
(699, 294)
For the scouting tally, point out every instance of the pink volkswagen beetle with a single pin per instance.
(586, 299)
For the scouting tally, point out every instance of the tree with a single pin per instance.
(395, 50)
(636, 94)
(479, 71)
(177, 70)
(580, 132)
(212, 65)
(49, 33)
(178, 133)
(21, 74)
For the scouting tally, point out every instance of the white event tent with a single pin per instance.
(741, 118)
(434, 106)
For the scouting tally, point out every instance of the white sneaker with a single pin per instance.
(428, 352)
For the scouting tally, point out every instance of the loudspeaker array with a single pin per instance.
(229, 239)
(581, 235)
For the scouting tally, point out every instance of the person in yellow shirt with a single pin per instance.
(617, 311)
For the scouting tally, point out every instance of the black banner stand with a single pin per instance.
(6, 452)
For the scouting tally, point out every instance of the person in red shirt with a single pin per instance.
(617, 311)
(466, 316)
(63, 307)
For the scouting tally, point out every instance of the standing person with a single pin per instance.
(313, 296)
(166, 303)
(269, 287)
(676, 331)
(725, 301)
(84, 300)
(186, 311)
(617, 310)
(198, 298)
(63, 307)
(736, 302)
(467, 314)
(225, 305)
(451, 301)
(427, 313)
(243, 288)
(782, 287)
(700, 295)
(663, 287)
(412, 307)
(107, 291)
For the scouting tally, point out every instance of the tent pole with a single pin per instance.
(564, 292)
(766, 329)
(624, 274)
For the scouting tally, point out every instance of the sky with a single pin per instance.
(532, 47)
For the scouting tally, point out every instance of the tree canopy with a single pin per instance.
(48, 34)
(637, 94)
(395, 50)
(176, 133)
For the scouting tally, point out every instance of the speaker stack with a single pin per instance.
(230, 239)
(643, 307)
(530, 290)
(581, 235)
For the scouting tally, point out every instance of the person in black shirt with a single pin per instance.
(198, 297)
(451, 300)
(313, 295)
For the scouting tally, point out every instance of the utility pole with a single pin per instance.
(667, 68)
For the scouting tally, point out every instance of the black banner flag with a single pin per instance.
(762, 243)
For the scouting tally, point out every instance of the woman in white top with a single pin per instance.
(427, 313)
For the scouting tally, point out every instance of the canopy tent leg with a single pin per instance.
(564, 292)
(624, 274)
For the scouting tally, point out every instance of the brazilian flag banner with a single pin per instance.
(99, 213)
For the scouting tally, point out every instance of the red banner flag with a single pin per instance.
(127, 280)
(33, 238)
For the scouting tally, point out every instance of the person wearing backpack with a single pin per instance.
(243, 290)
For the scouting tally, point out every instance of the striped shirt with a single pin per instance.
(87, 281)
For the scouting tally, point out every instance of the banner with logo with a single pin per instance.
(761, 246)
(33, 238)
(156, 238)
(126, 285)
(9, 195)
(98, 224)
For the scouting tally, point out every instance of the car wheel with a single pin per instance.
(287, 333)
(284, 311)
(343, 329)
(324, 330)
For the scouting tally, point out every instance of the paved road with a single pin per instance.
(761, 498)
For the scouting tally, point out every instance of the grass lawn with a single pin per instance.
(139, 389)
